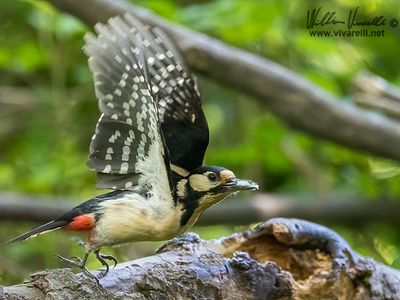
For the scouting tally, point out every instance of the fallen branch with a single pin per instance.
(281, 259)
(375, 92)
(255, 208)
(298, 102)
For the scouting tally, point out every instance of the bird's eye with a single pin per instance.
(212, 176)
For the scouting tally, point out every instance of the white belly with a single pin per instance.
(134, 218)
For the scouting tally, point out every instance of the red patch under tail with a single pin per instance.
(81, 223)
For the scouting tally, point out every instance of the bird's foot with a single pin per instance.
(102, 259)
(73, 261)
(79, 263)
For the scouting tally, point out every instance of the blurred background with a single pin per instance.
(48, 113)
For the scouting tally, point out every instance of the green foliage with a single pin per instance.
(44, 142)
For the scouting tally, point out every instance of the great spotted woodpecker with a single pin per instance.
(148, 145)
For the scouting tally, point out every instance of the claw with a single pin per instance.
(77, 259)
(102, 259)
(74, 261)
(110, 257)
(79, 263)
(87, 273)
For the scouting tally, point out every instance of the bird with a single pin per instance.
(148, 147)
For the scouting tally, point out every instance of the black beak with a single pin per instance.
(236, 184)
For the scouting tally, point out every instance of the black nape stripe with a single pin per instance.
(188, 213)
(190, 203)
(175, 177)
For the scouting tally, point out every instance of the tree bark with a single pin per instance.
(297, 101)
(279, 259)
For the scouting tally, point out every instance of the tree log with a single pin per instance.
(279, 259)
(297, 101)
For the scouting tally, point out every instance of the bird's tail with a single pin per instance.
(53, 225)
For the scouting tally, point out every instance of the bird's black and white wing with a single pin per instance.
(180, 110)
(127, 148)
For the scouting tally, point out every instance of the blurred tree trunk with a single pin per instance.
(280, 259)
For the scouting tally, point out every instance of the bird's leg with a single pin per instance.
(80, 263)
(78, 241)
(102, 259)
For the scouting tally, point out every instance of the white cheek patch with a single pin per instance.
(200, 183)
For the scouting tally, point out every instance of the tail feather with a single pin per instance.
(53, 225)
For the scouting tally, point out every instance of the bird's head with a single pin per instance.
(208, 185)
(215, 181)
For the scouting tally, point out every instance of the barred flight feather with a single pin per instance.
(180, 108)
(127, 147)
(149, 103)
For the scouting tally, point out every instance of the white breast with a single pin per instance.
(135, 218)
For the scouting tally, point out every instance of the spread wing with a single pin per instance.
(127, 148)
(183, 122)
